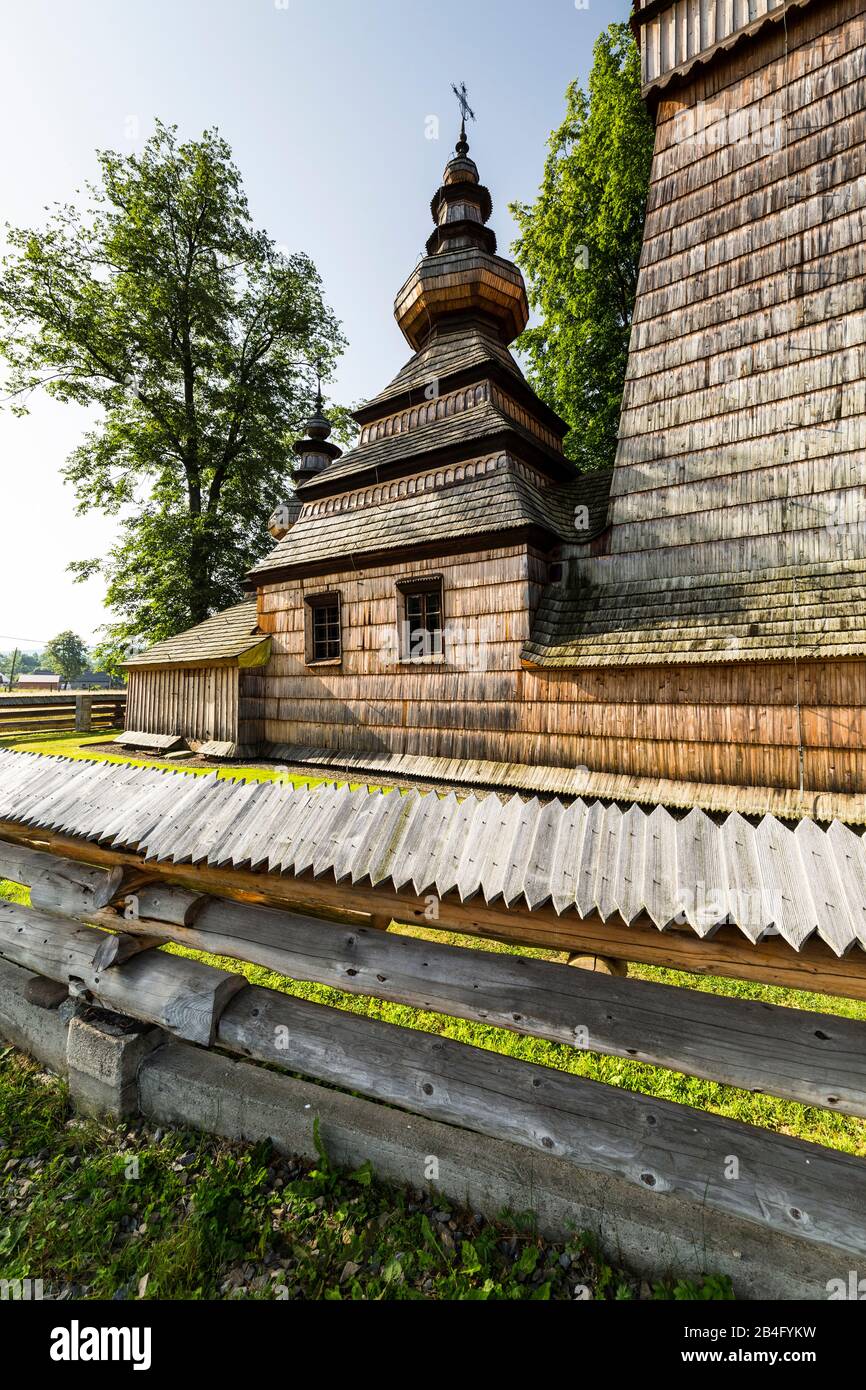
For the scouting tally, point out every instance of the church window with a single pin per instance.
(421, 625)
(323, 634)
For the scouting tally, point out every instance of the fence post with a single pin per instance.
(83, 707)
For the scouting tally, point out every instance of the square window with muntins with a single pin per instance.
(421, 626)
(323, 633)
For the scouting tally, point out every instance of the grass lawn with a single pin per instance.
(786, 1117)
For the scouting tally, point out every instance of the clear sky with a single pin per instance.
(326, 104)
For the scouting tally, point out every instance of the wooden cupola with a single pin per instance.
(461, 276)
(314, 452)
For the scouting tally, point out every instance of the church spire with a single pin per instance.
(314, 452)
(461, 273)
(465, 110)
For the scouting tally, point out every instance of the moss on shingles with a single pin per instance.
(87, 747)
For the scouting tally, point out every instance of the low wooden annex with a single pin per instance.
(203, 686)
(450, 599)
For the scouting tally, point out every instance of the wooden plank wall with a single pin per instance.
(744, 417)
(251, 707)
(687, 28)
(737, 724)
(192, 702)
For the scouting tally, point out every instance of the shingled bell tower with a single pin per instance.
(461, 274)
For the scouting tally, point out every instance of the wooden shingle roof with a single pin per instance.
(807, 610)
(500, 502)
(223, 637)
(470, 427)
(595, 860)
(444, 357)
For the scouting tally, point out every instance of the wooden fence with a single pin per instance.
(96, 921)
(85, 711)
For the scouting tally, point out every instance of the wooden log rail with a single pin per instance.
(784, 1185)
(813, 1058)
(726, 953)
(83, 711)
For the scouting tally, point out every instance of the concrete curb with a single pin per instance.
(116, 1067)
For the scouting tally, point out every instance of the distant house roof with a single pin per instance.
(38, 678)
(93, 678)
(221, 639)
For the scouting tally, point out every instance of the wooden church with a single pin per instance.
(451, 600)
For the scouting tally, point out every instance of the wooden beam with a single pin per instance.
(56, 882)
(808, 1057)
(164, 904)
(114, 947)
(182, 996)
(782, 1184)
(727, 953)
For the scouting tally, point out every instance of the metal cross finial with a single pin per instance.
(319, 384)
(465, 109)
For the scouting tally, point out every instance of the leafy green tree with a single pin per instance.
(16, 663)
(9, 666)
(579, 247)
(66, 654)
(162, 305)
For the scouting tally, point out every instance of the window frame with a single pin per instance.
(419, 585)
(312, 604)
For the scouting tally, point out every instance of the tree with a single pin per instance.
(17, 663)
(67, 655)
(579, 247)
(10, 666)
(162, 305)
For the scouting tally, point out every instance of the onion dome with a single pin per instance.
(283, 518)
(314, 452)
(461, 273)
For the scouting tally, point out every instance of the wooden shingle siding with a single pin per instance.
(738, 501)
(729, 725)
(746, 354)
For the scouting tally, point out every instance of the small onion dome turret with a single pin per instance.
(314, 452)
(461, 273)
(283, 518)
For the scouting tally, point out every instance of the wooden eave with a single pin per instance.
(653, 91)
(518, 442)
(498, 539)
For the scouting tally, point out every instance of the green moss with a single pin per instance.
(85, 746)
